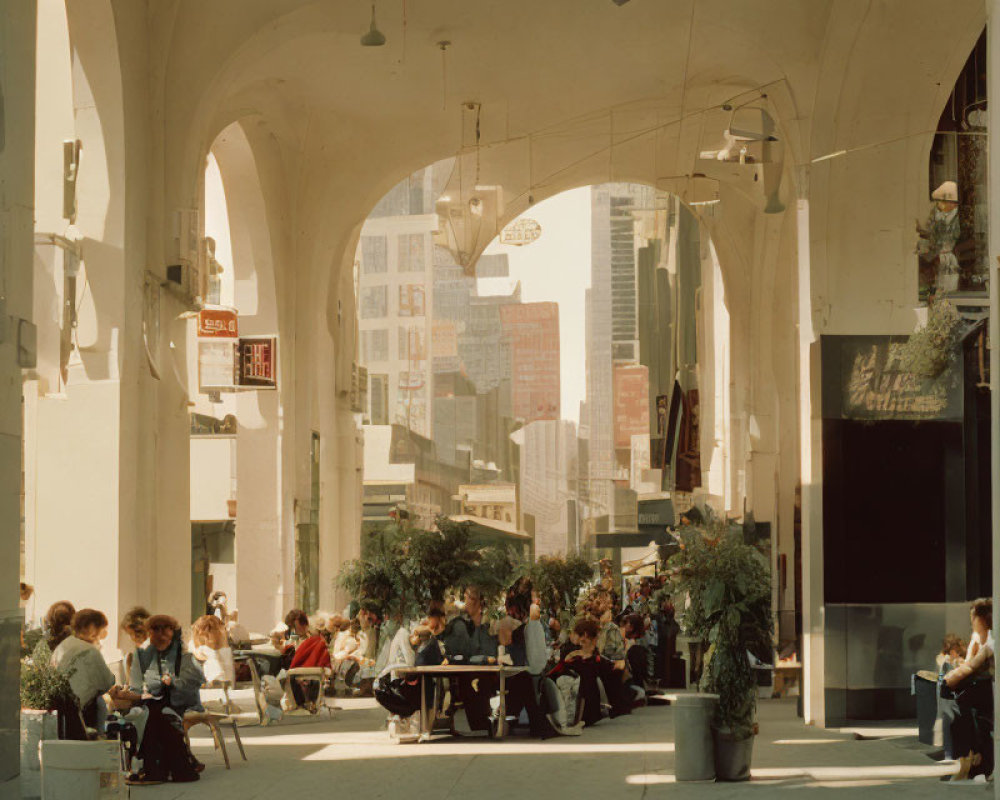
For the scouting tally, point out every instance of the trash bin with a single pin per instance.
(926, 692)
(694, 753)
(82, 770)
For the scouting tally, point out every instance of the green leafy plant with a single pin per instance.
(559, 582)
(43, 685)
(404, 568)
(930, 349)
(494, 571)
(728, 587)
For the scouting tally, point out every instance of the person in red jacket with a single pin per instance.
(311, 651)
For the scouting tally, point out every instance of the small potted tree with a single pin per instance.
(43, 689)
(728, 586)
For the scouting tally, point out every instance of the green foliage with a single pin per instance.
(930, 349)
(559, 581)
(404, 568)
(495, 569)
(728, 585)
(31, 637)
(41, 683)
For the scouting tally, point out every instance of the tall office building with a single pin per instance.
(548, 485)
(612, 341)
(531, 336)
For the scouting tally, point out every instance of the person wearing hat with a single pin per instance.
(939, 235)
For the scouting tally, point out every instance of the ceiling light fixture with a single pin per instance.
(374, 37)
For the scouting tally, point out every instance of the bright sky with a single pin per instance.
(556, 267)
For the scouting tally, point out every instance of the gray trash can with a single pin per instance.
(926, 692)
(694, 753)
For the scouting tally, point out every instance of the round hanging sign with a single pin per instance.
(520, 232)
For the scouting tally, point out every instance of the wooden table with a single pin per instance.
(453, 671)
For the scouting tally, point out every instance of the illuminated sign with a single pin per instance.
(258, 362)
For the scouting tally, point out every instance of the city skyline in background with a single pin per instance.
(556, 268)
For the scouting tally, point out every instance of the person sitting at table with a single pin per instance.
(297, 622)
(90, 677)
(636, 657)
(370, 620)
(210, 646)
(58, 623)
(952, 654)
(168, 679)
(468, 640)
(521, 643)
(586, 662)
(311, 651)
(344, 652)
(971, 683)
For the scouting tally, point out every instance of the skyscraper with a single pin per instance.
(531, 332)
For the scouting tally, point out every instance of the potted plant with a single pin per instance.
(728, 588)
(930, 349)
(43, 688)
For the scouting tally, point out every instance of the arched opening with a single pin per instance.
(240, 546)
(570, 389)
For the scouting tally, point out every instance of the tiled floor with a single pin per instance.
(351, 756)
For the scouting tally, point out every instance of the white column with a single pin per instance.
(17, 89)
(811, 466)
(993, 84)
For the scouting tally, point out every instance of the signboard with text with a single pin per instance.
(218, 323)
(258, 362)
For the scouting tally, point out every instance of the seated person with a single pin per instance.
(235, 630)
(468, 640)
(427, 640)
(134, 625)
(210, 646)
(345, 653)
(515, 649)
(953, 649)
(168, 681)
(591, 667)
(972, 685)
(58, 623)
(636, 656)
(297, 622)
(311, 651)
(164, 670)
(90, 677)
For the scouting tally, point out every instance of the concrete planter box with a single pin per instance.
(36, 727)
(81, 770)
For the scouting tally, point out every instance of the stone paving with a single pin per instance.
(351, 756)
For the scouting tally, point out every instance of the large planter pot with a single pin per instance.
(693, 750)
(732, 756)
(36, 726)
(81, 771)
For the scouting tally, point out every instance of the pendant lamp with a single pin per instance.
(374, 37)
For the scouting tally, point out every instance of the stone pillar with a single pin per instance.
(17, 129)
(993, 84)
(811, 471)
(260, 578)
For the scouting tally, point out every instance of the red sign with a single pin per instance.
(218, 323)
(258, 362)
(631, 404)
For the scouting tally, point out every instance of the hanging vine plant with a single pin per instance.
(931, 349)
